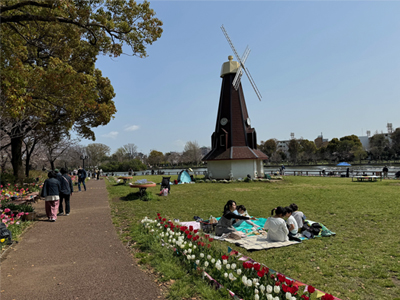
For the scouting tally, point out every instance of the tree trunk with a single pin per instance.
(16, 159)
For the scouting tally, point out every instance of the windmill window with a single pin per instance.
(222, 139)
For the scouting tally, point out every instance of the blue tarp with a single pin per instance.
(343, 164)
(184, 177)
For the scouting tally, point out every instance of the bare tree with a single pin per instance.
(130, 150)
(192, 152)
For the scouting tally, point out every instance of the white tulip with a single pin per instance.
(255, 281)
(218, 266)
(228, 266)
(269, 297)
(244, 280)
(206, 263)
(213, 260)
(194, 247)
(231, 277)
(219, 262)
(197, 262)
(193, 256)
(262, 288)
(201, 255)
(209, 257)
(233, 266)
(239, 271)
(182, 246)
(256, 291)
(288, 295)
(276, 298)
(225, 275)
(190, 250)
(249, 282)
(256, 297)
(276, 289)
(224, 261)
(293, 298)
(269, 289)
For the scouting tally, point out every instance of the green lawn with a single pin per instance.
(361, 262)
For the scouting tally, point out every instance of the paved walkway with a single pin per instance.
(77, 257)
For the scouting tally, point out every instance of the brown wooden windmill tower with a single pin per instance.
(234, 151)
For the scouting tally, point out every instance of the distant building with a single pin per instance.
(283, 146)
(365, 142)
(321, 142)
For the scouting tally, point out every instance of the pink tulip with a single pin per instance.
(2, 216)
(7, 210)
(26, 213)
(17, 223)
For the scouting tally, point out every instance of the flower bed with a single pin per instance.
(241, 276)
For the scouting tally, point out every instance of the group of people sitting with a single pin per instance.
(283, 225)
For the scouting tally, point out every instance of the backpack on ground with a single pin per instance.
(5, 233)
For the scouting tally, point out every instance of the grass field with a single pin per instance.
(361, 262)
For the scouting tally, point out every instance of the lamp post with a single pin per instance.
(83, 157)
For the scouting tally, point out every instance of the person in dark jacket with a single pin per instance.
(66, 192)
(225, 223)
(81, 178)
(51, 193)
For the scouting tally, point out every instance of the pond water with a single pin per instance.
(288, 169)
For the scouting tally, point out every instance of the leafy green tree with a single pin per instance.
(395, 136)
(48, 52)
(308, 150)
(268, 147)
(155, 158)
(294, 150)
(378, 145)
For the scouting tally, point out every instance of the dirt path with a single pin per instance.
(77, 257)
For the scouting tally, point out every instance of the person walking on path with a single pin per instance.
(51, 193)
(81, 178)
(66, 192)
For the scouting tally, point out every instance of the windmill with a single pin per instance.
(239, 73)
(234, 152)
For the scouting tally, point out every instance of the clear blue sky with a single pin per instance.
(330, 67)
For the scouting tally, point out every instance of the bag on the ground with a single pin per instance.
(207, 227)
(164, 192)
(5, 233)
(235, 235)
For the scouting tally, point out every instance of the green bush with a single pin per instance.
(7, 178)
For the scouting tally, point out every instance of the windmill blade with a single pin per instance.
(238, 77)
(253, 84)
(230, 43)
(245, 55)
(239, 72)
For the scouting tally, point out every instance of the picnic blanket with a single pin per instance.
(254, 241)
(259, 242)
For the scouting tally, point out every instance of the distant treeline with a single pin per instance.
(124, 166)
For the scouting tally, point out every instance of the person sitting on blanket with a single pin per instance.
(298, 215)
(276, 226)
(291, 224)
(241, 210)
(225, 223)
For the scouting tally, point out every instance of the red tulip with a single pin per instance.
(311, 289)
